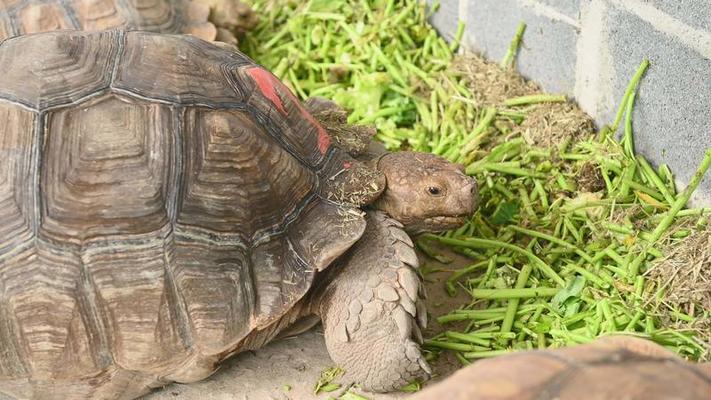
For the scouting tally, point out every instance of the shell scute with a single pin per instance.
(132, 284)
(238, 179)
(164, 16)
(88, 169)
(6, 29)
(42, 17)
(16, 177)
(98, 14)
(299, 129)
(266, 83)
(215, 284)
(73, 65)
(154, 15)
(40, 303)
(180, 69)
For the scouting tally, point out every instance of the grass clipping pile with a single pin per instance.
(577, 236)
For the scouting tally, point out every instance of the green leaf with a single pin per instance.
(364, 98)
(572, 306)
(352, 396)
(572, 290)
(327, 376)
(504, 213)
(411, 387)
(329, 387)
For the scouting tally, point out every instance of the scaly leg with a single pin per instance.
(372, 310)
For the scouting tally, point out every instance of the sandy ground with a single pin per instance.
(262, 374)
(298, 361)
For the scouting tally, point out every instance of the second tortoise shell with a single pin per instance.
(21, 17)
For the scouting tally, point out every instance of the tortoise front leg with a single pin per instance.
(373, 311)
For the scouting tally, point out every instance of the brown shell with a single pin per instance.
(20, 17)
(161, 198)
(619, 367)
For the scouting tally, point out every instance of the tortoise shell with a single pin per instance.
(615, 367)
(20, 17)
(161, 198)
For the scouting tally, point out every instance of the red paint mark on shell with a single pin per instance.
(324, 141)
(347, 164)
(265, 81)
(268, 84)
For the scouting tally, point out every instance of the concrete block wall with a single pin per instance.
(589, 49)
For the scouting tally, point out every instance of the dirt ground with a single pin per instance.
(298, 361)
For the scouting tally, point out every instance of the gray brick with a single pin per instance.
(446, 18)
(696, 13)
(548, 52)
(674, 107)
(570, 8)
(673, 110)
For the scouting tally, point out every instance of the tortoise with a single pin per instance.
(221, 20)
(166, 203)
(613, 367)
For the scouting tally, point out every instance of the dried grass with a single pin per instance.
(589, 178)
(550, 124)
(488, 82)
(684, 278)
(356, 186)
(353, 139)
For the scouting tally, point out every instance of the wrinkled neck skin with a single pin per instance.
(372, 156)
(375, 151)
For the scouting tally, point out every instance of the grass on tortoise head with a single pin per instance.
(562, 208)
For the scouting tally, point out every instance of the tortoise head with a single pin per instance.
(426, 193)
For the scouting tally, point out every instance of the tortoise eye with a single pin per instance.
(434, 190)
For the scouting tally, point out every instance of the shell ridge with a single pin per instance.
(275, 133)
(12, 21)
(267, 234)
(202, 235)
(630, 358)
(126, 10)
(16, 101)
(8, 25)
(71, 14)
(251, 289)
(98, 93)
(98, 334)
(227, 69)
(177, 177)
(118, 56)
(35, 199)
(176, 302)
(10, 348)
(177, 102)
(130, 93)
(307, 267)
